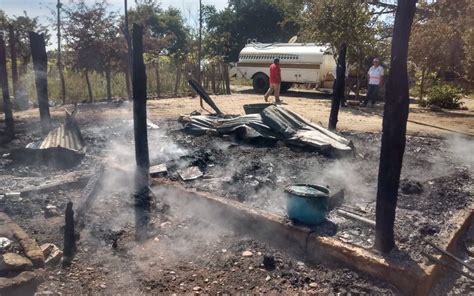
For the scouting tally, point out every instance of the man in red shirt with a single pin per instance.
(275, 80)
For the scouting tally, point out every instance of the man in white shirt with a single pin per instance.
(375, 81)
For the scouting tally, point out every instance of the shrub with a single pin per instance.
(444, 96)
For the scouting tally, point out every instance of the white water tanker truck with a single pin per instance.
(300, 63)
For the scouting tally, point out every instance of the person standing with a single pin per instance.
(375, 81)
(275, 81)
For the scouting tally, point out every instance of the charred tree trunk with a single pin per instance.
(158, 82)
(89, 87)
(108, 81)
(7, 104)
(338, 88)
(142, 189)
(394, 128)
(69, 236)
(12, 41)
(40, 65)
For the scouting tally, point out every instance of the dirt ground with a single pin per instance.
(187, 254)
(313, 106)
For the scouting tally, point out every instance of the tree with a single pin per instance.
(59, 63)
(164, 32)
(22, 26)
(7, 106)
(335, 22)
(178, 41)
(394, 128)
(18, 28)
(92, 35)
(446, 27)
(230, 29)
(12, 44)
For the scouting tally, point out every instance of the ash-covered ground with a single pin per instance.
(188, 254)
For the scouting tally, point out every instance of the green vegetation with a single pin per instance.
(444, 96)
(442, 44)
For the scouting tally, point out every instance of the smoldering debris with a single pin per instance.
(185, 247)
(159, 170)
(191, 173)
(63, 147)
(273, 123)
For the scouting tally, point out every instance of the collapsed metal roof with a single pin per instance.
(67, 135)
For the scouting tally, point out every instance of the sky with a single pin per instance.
(41, 8)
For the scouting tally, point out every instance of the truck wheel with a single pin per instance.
(260, 83)
(285, 86)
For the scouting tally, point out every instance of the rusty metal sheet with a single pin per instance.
(66, 136)
(63, 147)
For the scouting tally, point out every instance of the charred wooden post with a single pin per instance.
(69, 236)
(142, 189)
(394, 128)
(40, 66)
(7, 104)
(339, 86)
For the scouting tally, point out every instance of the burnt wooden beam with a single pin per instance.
(40, 66)
(394, 128)
(339, 87)
(142, 186)
(203, 94)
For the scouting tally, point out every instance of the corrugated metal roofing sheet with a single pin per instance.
(66, 136)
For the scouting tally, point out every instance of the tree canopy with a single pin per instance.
(442, 40)
(245, 20)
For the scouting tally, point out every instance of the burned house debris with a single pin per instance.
(270, 123)
(63, 147)
(151, 197)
